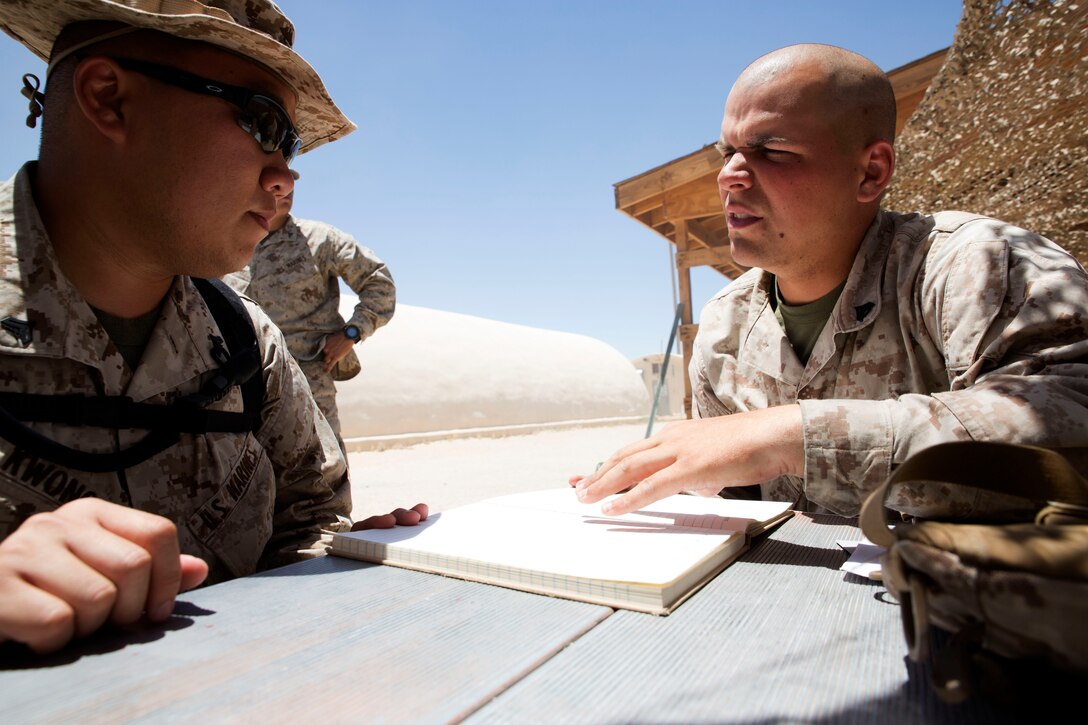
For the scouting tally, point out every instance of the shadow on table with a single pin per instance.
(915, 702)
(830, 519)
(788, 553)
(16, 656)
(321, 565)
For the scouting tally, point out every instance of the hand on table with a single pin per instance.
(64, 573)
(397, 517)
(700, 456)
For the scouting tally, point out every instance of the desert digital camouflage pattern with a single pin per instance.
(968, 569)
(1014, 590)
(294, 276)
(1016, 586)
(241, 502)
(950, 327)
(254, 29)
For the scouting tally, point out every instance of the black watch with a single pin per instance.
(351, 332)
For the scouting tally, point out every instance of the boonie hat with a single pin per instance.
(254, 29)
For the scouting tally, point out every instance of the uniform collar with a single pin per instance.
(859, 303)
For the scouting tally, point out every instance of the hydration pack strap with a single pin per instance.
(241, 366)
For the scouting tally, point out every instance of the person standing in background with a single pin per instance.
(295, 277)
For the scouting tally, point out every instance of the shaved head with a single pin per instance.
(850, 89)
(807, 153)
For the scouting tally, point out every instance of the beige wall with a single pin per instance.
(671, 402)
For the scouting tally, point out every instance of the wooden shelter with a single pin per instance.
(679, 200)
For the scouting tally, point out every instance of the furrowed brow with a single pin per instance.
(753, 143)
(761, 141)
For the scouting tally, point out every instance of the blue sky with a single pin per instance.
(491, 133)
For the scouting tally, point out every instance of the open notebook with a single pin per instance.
(549, 543)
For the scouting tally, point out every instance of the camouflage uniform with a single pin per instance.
(241, 502)
(294, 276)
(950, 327)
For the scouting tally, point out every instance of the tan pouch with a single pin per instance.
(1010, 599)
(347, 367)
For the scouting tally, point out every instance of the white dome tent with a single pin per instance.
(430, 374)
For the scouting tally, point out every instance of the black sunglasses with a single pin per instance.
(261, 117)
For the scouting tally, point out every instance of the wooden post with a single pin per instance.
(683, 273)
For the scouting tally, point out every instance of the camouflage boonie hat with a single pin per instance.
(254, 29)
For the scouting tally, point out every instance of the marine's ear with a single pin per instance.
(878, 165)
(100, 88)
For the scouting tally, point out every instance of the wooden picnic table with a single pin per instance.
(780, 635)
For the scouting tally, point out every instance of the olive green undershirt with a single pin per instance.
(804, 323)
(129, 334)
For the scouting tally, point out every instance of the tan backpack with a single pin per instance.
(994, 607)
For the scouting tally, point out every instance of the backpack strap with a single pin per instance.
(245, 355)
(1037, 474)
(23, 436)
(188, 414)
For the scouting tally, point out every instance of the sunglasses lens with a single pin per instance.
(290, 151)
(270, 126)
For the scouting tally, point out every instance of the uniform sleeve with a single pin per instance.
(1009, 312)
(369, 278)
(313, 495)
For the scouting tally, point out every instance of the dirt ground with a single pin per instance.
(447, 473)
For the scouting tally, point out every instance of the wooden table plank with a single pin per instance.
(328, 640)
(780, 636)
